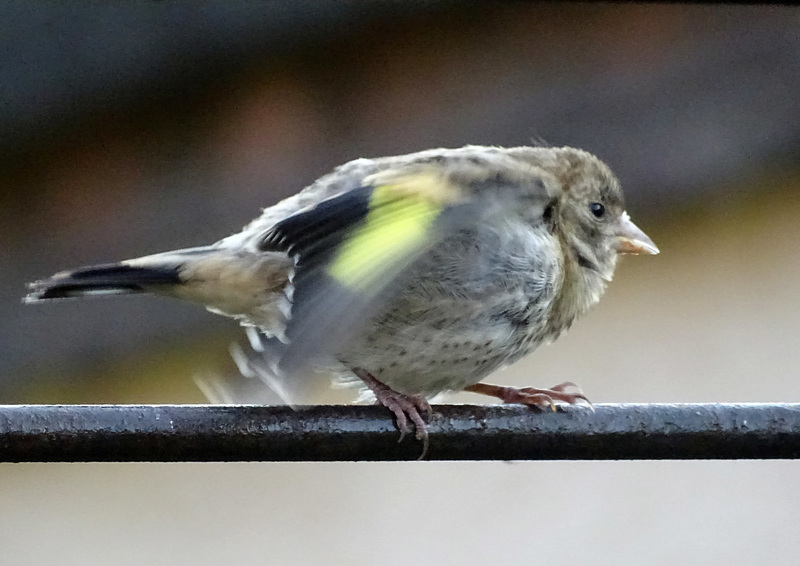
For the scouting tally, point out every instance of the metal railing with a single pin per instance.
(215, 433)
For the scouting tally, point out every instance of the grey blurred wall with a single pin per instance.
(133, 127)
(128, 129)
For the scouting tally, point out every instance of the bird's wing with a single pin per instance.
(353, 250)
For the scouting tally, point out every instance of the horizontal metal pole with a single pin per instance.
(221, 433)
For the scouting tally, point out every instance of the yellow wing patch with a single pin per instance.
(402, 210)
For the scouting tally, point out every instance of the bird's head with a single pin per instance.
(591, 216)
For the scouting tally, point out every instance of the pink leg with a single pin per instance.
(405, 407)
(531, 395)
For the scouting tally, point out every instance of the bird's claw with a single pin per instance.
(532, 396)
(556, 393)
(405, 408)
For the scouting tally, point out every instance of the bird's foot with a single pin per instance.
(533, 396)
(405, 407)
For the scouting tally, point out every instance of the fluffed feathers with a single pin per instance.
(428, 270)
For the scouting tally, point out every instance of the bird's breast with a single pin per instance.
(456, 324)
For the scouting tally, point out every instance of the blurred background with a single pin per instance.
(130, 128)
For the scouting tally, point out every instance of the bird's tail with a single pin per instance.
(153, 274)
(253, 287)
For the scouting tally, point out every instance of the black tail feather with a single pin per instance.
(107, 279)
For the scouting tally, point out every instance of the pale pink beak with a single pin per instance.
(631, 240)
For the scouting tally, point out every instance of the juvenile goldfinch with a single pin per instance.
(416, 274)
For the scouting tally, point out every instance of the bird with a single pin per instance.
(410, 275)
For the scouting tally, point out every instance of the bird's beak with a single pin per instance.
(631, 240)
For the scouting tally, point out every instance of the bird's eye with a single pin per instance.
(597, 209)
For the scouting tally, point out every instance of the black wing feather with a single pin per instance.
(322, 228)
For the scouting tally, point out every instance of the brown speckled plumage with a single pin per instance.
(525, 241)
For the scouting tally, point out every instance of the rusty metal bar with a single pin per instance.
(222, 433)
